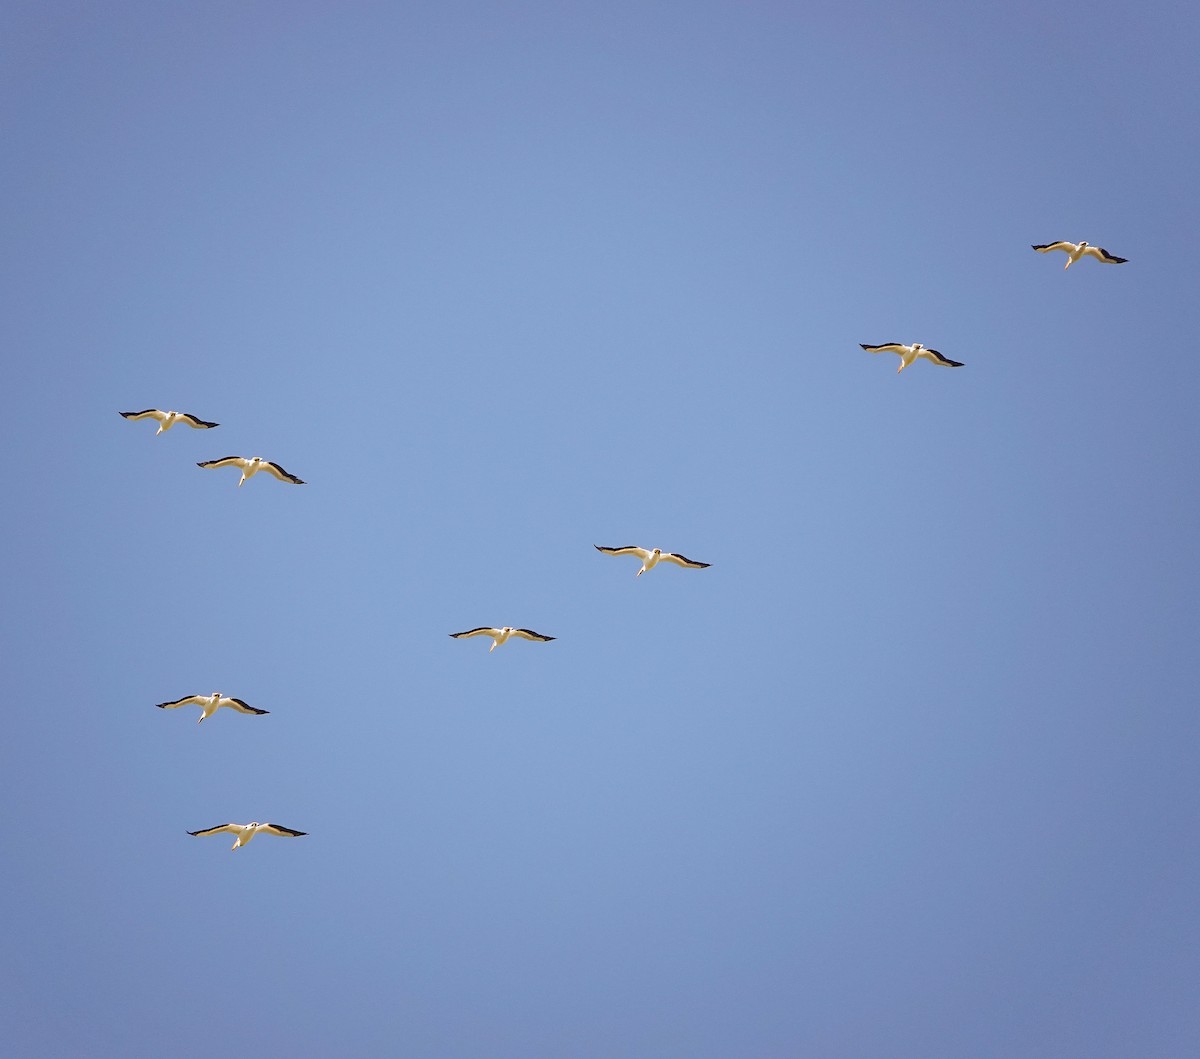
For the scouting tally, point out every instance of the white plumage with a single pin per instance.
(908, 354)
(500, 636)
(250, 466)
(651, 557)
(1075, 251)
(209, 704)
(245, 832)
(166, 420)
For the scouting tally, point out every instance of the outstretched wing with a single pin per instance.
(937, 358)
(147, 413)
(281, 831)
(199, 424)
(629, 549)
(227, 461)
(481, 631)
(1045, 248)
(280, 473)
(529, 634)
(190, 700)
(242, 707)
(1100, 254)
(231, 828)
(887, 347)
(683, 560)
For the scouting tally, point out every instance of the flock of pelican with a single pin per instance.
(648, 557)
(908, 354)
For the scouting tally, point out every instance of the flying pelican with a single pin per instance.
(1077, 250)
(245, 832)
(250, 466)
(910, 353)
(499, 636)
(166, 420)
(210, 703)
(652, 557)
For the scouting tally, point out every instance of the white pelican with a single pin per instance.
(1077, 250)
(210, 703)
(499, 636)
(250, 466)
(245, 832)
(910, 353)
(651, 557)
(166, 420)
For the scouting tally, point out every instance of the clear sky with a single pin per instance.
(911, 770)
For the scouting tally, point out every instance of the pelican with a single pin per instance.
(651, 557)
(499, 636)
(245, 832)
(910, 353)
(250, 466)
(166, 420)
(210, 703)
(1077, 250)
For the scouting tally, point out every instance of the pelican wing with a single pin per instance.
(629, 549)
(227, 461)
(233, 829)
(481, 631)
(242, 707)
(1045, 248)
(281, 831)
(529, 634)
(199, 424)
(280, 473)
(1100, 254)
(887, 347)
(147, 413)
(190, 700)
(937, 358)
(683, 560)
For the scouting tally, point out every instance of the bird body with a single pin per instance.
(245, 832)
(166, 420)
(908, 354)
(250, 466)
(1075, 251)
(502, 635)
(209, 704)
(651, 557)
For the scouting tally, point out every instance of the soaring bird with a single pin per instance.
(910, 353)
(166, 420)
(245, 832)
(1075, 251)
(651, 557)
(250, 466)
(209, 704)
(499, 636)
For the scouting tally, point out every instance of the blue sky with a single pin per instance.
(910, 771)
